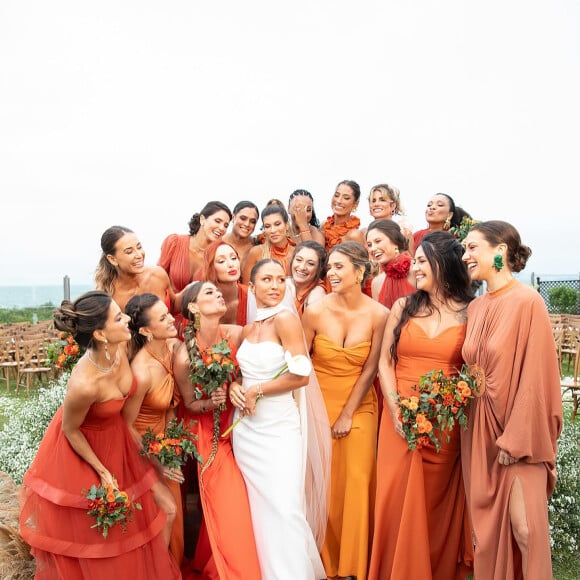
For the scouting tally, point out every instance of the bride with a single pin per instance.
(282, 448)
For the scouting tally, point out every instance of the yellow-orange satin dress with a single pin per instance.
(152, 415)
(352, 487)
(421, 525)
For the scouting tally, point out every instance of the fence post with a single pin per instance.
(66, 287)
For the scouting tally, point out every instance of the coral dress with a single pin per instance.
(352, 488)
(509, 337)
(152, 415)
(54, 520)
(421, 524)
(226, 548)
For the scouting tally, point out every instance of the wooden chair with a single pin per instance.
(8, 361)
(31, 358)
(570, 349)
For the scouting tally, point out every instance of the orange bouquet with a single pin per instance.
(439, 404)
(110, 506)
(64, 352)
(173, 447)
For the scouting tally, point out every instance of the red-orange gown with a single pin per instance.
(152, 415)
(226, 549)
(421, 524)
(510, 338)
(353, 473)
(54, 519)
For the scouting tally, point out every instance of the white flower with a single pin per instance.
(298, 364)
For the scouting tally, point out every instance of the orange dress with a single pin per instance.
(54, 520)
(152, 415)
(226, 549)
(352, 485)
(509, 337)
(421, 525)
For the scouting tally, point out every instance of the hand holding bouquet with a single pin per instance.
(440, 402)
(110, 506)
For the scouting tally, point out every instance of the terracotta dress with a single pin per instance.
(152, 415)
(226, 549)
(54, 518)
(510, 338)
(421, 524)
(352, 488)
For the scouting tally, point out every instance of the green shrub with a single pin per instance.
(43, 312)
(564, 505)
(22, 433)
(563, 299)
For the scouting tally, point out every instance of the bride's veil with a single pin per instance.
(316, 438)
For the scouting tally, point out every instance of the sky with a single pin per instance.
(139, 112)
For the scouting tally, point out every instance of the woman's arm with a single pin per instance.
(133, 404)
(77, 402)
(387, 375)
(343, 424)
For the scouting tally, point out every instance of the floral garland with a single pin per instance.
(334, 233)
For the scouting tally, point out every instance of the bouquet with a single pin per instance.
(215, 367)
(298, 365)
(173, 447)
(460, 232)
(439, 404)
(110, 506)
(64, 352)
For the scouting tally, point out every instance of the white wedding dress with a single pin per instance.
(269, 451)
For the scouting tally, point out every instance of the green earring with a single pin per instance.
(498, 262)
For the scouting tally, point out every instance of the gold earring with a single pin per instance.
(396, 251)
(447, 223)
(107, 353)
(196, 320)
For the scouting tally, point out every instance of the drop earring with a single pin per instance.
(107, 353)
(498, 262)
(447, 223)
(196, 320)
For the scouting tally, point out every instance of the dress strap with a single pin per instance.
(166, 364)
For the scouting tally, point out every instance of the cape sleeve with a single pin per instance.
(167, 250)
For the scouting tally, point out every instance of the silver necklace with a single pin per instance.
(101, 368)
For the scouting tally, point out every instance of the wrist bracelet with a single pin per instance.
(304, 231)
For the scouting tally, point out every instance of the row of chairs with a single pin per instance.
(566, 331)
(24, 361)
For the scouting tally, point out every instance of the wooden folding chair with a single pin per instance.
(8, 361)
(31, 358)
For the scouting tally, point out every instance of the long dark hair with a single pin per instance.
(208, 210)
(138, 309)
(443, 253)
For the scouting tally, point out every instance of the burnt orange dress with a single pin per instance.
(152, 415)
(510, 338)
(421, 524)
(54, 520)
(352, 486)
(226, 549)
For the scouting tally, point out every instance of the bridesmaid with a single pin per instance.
(440, 214)
(308, 272)
(154, 343)
(421, 526)
(88, 443)
(304, 224)
(122, 273)
(244, 220)
(277, 244)
(221, 265)
(344, 330)
(224, 550)
(342, 226)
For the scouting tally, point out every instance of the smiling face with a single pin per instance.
(129, 256)
(479, 256)
(161, 322)
(116, 328)
(342, 275)
(269, 284)
(381, 205)
(423, 272)
(438, 210)
(226, 264)
(215, 225)
(275, 229)
(381, 248)
(244, 222)
(343, 201)
(304, 267)
(209, 301)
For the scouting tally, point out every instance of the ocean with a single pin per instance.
(30, 296)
